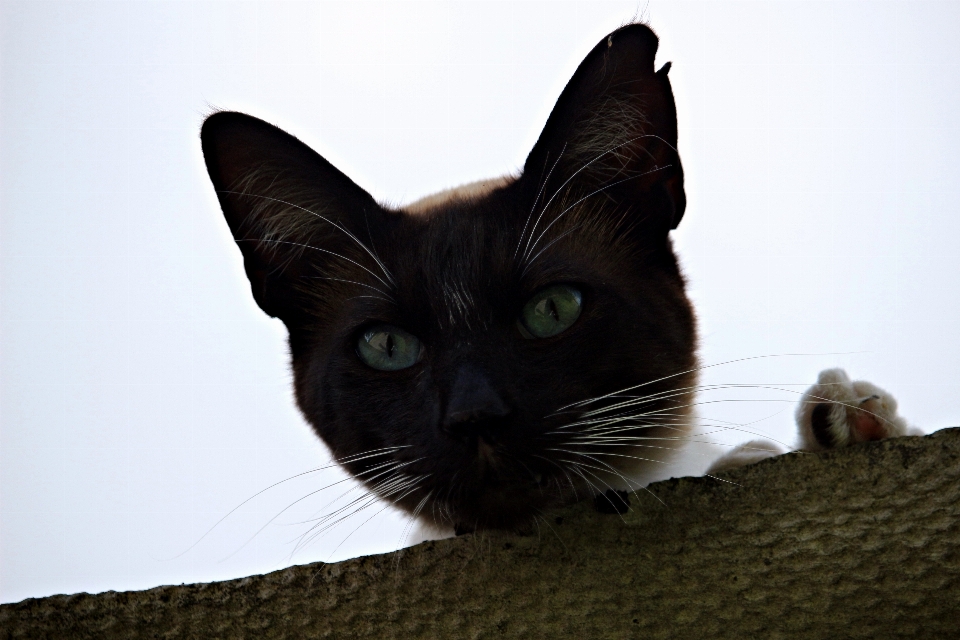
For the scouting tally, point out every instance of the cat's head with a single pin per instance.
(494, 350)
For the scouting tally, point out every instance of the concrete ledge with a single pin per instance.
(858, 543)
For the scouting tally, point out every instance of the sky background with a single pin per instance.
(143, 395)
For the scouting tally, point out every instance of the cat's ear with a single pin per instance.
(291, 212)
(613, 132)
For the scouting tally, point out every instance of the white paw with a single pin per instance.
(837, 412)
(746, 453)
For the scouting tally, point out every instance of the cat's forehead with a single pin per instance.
(456, 256)
(459, 235)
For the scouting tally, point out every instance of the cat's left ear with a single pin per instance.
(293, 214)
(613, 133)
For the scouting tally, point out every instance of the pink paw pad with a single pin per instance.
(837, 412)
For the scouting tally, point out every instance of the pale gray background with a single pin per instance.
(143, 394)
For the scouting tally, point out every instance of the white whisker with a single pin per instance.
(372, 254)
(537, 199)
(694, 370)
(308, 246)
(589, 195)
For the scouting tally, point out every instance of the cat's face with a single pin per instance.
(500, 349)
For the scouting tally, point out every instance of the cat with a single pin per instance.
(502, 348)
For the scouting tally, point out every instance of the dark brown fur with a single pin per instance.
(597, 197)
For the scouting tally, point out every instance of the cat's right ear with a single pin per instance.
(612, 135)
(291, 212)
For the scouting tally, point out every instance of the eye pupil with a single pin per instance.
(388, 348)
(551, 311)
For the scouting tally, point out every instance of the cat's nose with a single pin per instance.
(474, 406)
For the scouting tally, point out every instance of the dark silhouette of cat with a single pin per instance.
(497, 349)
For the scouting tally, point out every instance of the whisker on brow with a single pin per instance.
(350, 235)
(313, 248)
(567, 209)
(537, 199)
(378, 290)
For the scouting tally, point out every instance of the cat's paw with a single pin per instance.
(837, 412)
(744, 454)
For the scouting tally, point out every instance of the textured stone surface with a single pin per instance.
(859, 543)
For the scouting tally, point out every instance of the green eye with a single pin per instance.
(551, 311)
(388, 348)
